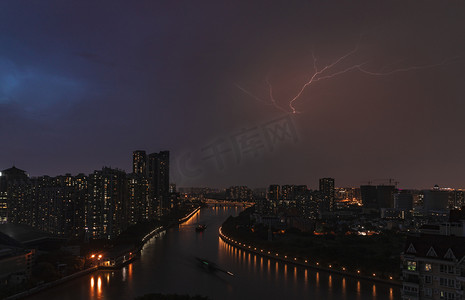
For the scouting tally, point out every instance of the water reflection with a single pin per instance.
(99, 286)
(124, 273)
(92, 284)
(317, 279)
(299, 278)
(276, 270)
(171, 257)
(343, 286)
(192, 221)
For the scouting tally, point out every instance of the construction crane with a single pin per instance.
(390, 180)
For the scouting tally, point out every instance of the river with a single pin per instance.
(167, 265)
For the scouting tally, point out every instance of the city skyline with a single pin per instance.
(377, 90)
(261, 149)
(311, 185)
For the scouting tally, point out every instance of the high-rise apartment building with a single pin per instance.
(138, 193)
(139, 162)
(327, 191)
(107, 204)
(98, 206)
(15, 189)
(158, 172)
(385, 196)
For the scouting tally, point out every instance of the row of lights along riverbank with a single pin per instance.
(343, 269)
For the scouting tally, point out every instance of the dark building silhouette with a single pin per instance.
(98, 206)
(435, 199)
(327, 191)
(163, 173)
(403, 200)
(381, 196)
(385, 196)
(239, 193)
(274, 193)
(15, 196)
(369, 196)
(158, 180)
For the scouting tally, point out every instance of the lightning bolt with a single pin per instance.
(330, 71)
(407, 69)
(272, 101)
(317, 73)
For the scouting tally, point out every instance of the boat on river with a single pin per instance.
(200, 227)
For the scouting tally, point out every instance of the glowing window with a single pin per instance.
(411, 265)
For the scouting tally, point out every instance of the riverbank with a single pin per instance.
(307, 263)
(133, 254)
(364, 257)
(51, 284)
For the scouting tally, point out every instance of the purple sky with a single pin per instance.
(84, 83)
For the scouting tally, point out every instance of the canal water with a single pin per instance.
(168, 264)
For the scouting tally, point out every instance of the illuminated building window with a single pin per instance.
(411, 265)
(428, 267)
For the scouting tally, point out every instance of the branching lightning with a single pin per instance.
(330, 71)
(316, 75)
(272, 102)
(407, 69)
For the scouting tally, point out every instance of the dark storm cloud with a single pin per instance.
(83, 84)
(95, 58)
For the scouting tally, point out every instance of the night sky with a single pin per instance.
(85, 83)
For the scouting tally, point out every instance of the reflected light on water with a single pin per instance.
(108, 278)
(374, 291)
(124, 270)
(358, 287)
(99, 286)
(192, 220)
(391, 294)
(330, 281)
(130, 271)
(285, 272)
(317, 279)
(305, 277)
(343, 286)
(276, 270)
(92, 284)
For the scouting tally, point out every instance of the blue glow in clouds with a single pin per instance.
(37, 92)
